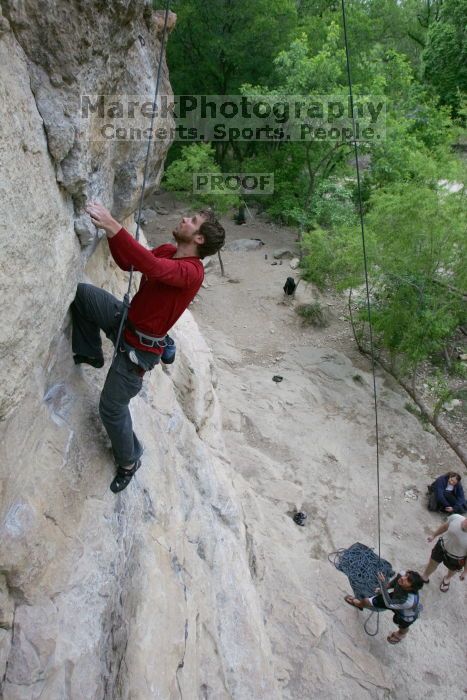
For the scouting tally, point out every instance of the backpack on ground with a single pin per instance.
(290, 286)
(432, 500)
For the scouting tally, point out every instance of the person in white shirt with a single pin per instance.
(451, 550)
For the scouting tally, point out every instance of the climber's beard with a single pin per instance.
(182, 236)
(178, 236)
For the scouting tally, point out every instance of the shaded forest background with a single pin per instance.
(414, 52)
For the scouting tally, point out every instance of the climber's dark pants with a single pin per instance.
(93, 310)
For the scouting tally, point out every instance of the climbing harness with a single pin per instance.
(148, 341)
(126, 298)
(359, 562)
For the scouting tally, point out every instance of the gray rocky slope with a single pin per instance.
(167, 590)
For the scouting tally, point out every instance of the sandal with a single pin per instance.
(394, 638)
(124, 476)
(351, 601)
(444, 586)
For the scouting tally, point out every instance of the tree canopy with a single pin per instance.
(410, 55)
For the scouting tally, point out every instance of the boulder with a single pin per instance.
(162, 211)
(295, 263)
(305, 293)
(148, 216)
(244, 244)
(451, 405)
(283, 254)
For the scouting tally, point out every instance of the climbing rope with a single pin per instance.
(361, 565)
(355, 559)
(126, 298)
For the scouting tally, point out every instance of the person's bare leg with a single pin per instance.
(447, 581)
(398, 635)
(359, 602)
(430, 567)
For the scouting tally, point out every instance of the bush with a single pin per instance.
(332, 257)
(416, 248)
(196, 158)
(333, 205)
(313, 314)
(290, 183)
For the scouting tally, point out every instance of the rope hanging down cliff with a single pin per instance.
(356, 561)
(126, 298)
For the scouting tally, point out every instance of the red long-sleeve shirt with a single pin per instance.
(167, 286)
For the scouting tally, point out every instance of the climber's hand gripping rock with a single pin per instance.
(102, 218)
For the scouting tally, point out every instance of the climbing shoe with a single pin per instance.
(97, 362)
(124, 476)
(299, 519)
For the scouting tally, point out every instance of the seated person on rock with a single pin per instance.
(449, 493)
(171, 277)
(400, 594)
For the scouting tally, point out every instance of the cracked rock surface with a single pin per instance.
(147, 594)
(193, 583)
(54, 55)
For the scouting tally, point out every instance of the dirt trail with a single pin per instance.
(308, 443)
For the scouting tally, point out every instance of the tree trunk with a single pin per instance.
(432, 416)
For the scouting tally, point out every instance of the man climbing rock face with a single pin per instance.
(171, 277)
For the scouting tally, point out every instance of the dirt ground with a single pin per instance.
(308, 443)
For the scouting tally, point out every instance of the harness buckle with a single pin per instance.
(148, 341)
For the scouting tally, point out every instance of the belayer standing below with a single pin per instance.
(400, 595)
(171, 277)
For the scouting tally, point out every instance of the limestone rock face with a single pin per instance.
(51, 55)
(39, 263)
(80, 50)
(143, 595)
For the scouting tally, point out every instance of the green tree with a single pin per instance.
(299, 72)
(445, 56)
(218, 46)
(399, 25)
(416, 245)
(421, 243)
(196, 158)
